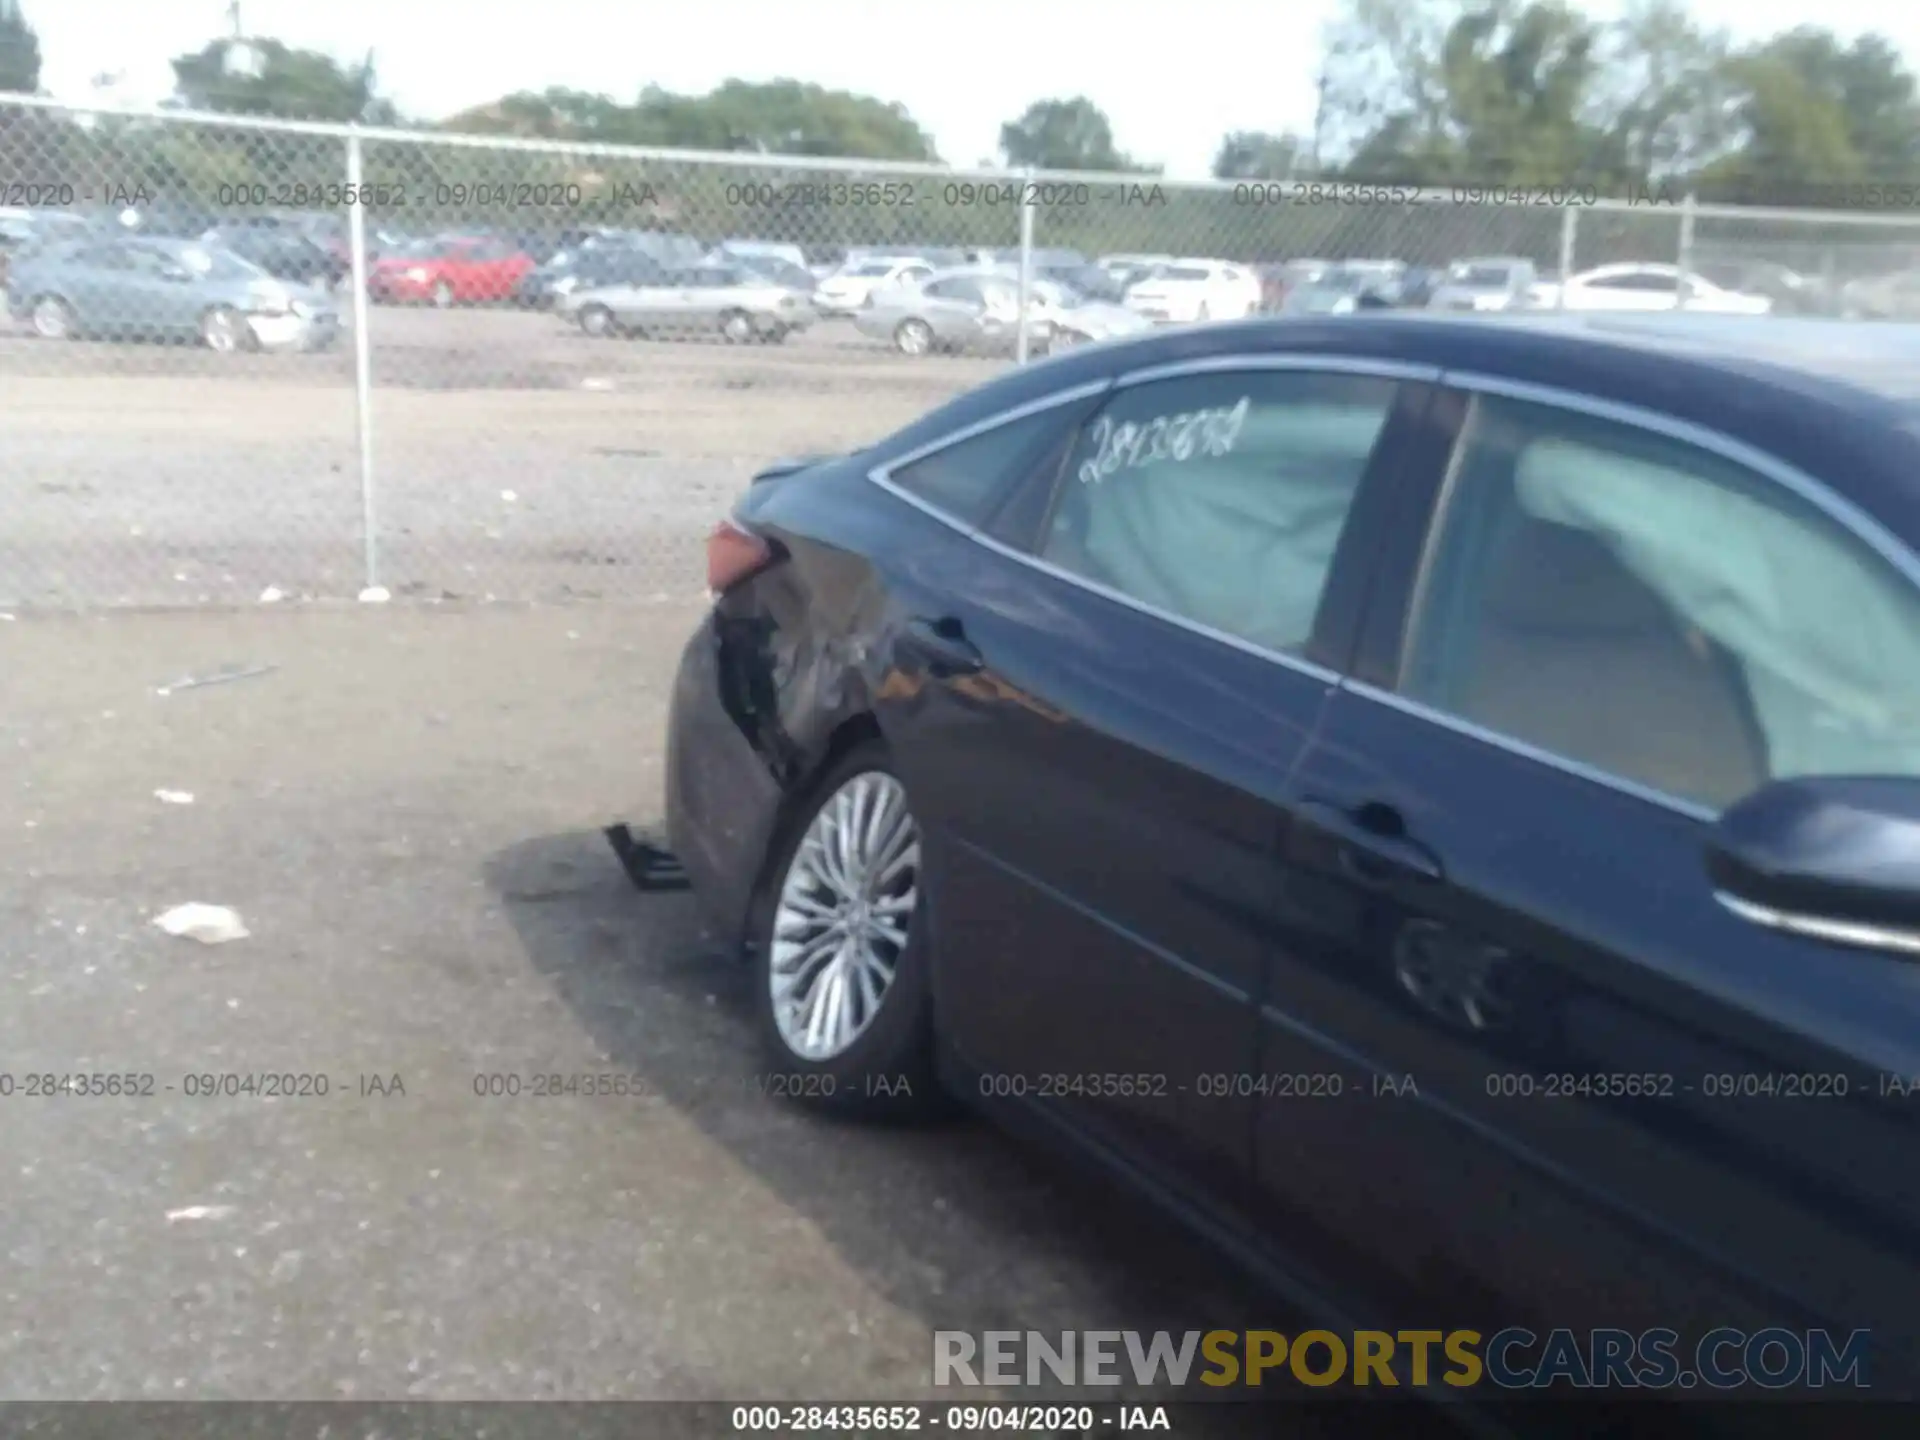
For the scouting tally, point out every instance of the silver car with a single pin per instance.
(960, 310)
(1493, 283)
(1073, 318)
(159, 289)
(730, 299)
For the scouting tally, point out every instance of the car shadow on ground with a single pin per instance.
(954, 1223)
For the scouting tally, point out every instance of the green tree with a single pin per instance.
(265, 77)
(1663, 92)
(781, 117)
(1867, 85)
(1793, 136)
(1254, 155)
(1063, 135)
(19, 51)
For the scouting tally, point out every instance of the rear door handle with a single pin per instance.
(1374, 846)
(944, 646)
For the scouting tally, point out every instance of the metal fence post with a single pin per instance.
(1026, 264)
(1569, 229)
(362, 353)
(1684, 259)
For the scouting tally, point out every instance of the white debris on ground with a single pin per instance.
(272, 595)
(174, 797)
(508, 496)
(209, 924)
(199, 1212)
(375, 595)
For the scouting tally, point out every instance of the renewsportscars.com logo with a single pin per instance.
(1511, 1359)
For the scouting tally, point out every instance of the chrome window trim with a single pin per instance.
(881, 475)
(1403, 370)
(1854, 933)
(1690, 809)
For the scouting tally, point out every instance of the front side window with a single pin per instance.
(1220, 498)
(966, 479)
(1624, 599)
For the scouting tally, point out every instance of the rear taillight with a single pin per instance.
(734, 554)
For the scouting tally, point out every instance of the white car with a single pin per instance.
(852, 288)
(1187, 291)
(1636, 287)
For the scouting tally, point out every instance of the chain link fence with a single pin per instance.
(242, 356)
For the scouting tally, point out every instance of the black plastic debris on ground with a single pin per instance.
(648, 866)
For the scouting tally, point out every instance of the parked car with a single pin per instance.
(1416, 286)
(449, 270)
(117, 287)
(1792, 293)
(1337, 292)
(1074, 317)
(24, 230)
(1641, 287)
(848, 291)
(1495, 283)
(1500, 735)
(1196, 290)
(590, 269)
(594, 251)
(1884, 297)
(287, 254)
(772, 267)
(746, 251)
(730, 300)
(968, 309)
(1123, 266)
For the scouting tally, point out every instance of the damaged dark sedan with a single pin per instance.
(1436, 802)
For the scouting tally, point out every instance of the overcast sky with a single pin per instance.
(1173, 77)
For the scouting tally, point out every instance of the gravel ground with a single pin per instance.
(406, 814)
(514, 458)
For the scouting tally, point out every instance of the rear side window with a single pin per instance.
(1220, 499)
(966, 480)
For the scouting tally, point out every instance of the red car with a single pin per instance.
(448, 271)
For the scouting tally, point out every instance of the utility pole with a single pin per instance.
(233, 18)
(1319, 114)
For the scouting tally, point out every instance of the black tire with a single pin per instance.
(597, 320)
(914, 336)
(60, 321)
(737, 328)
(225, 331)
(887, 1072)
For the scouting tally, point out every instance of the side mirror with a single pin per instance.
(1834, 858)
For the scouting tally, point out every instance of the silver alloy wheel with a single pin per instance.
(596, 320)
(221, 330)
(840, 924)
(736, 326)
(52, 320)
(913, 337)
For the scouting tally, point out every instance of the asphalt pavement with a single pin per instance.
(404, 808)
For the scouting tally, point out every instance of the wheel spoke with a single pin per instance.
(907, 859)
(826, 982)
(795, 963)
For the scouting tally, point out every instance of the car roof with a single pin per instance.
(1836, 399)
